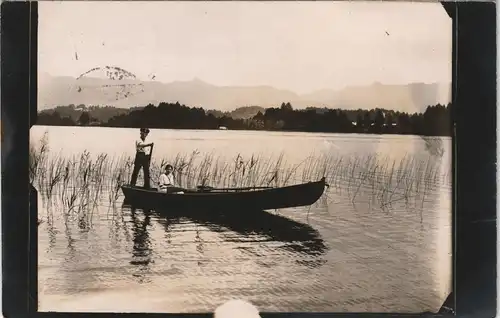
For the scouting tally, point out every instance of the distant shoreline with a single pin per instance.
(435, 121)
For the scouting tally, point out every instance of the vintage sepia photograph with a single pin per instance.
(293, 155)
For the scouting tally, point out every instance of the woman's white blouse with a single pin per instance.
(166, 180)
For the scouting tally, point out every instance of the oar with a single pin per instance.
(151, 153)
(149, 163)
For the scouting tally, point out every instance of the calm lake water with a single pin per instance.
(343, 254)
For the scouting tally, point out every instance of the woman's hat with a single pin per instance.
(145, 130)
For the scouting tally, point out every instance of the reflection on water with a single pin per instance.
(341, 254)
(141, 253)
(335, 257)
(256, 227)
(142, 243)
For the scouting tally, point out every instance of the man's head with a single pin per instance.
(144, 132)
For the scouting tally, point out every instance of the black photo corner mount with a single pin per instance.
(474, 115)
(474, 112)
(18, 99)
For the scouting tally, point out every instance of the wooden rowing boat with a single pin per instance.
(250, 198)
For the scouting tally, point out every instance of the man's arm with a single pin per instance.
(141, 144)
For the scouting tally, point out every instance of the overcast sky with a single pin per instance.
(301, 46)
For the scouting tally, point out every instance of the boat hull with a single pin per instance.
(265, 199)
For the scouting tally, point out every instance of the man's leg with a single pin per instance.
(135, 172)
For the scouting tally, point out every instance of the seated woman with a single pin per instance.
(167, 182)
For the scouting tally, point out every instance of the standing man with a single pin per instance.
(142, 158)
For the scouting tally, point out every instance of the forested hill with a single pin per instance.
(434, 121)
(246, 112)
(104, 114)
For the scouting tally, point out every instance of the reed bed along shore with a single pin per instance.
(79, 183)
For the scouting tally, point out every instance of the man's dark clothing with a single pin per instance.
(141, 161)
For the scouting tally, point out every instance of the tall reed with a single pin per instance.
(79, 182)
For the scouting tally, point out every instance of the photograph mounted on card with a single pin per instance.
(296, 156)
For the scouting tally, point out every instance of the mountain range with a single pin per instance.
(63, 90)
